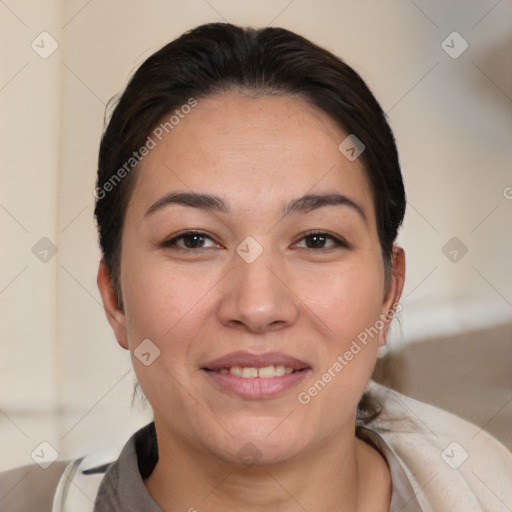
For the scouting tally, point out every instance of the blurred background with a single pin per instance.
(443, 73)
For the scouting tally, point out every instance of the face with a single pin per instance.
(263, 280)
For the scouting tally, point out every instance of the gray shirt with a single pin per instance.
(122, 487)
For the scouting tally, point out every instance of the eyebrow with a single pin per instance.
(302, 204)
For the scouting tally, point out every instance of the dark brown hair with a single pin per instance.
(222, 57)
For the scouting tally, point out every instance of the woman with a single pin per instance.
(249, 196)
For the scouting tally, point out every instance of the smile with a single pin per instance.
(265, 372)
(256, 383)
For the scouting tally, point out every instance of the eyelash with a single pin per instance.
(171, 243)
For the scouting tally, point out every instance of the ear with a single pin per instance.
(390, 304)
(115, 315)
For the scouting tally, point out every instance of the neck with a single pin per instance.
(342, 475)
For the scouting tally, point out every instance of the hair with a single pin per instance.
(221, 57)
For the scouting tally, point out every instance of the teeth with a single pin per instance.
(264, 372)
(249, 372)
(270, 371)
(236, 370)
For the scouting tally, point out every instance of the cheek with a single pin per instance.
(158, 300)
(347, 299)
(164, 309)
(168, 306)
(348, 306)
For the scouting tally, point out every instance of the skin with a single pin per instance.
(198, 304)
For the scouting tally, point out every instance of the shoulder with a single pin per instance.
(30, 487)
(64, 486)
(73, 485)
(452, 463)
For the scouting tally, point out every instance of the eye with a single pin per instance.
(318, 240)
(189, 240)
(193, 240)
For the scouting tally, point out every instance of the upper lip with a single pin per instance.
(251, 360)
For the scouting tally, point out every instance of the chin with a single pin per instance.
(257, 453)
(262, 443)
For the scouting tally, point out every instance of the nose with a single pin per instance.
(258, 296)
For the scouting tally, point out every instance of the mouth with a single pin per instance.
(256, 376)
(251, 372)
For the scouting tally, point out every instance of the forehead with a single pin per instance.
(247, 148)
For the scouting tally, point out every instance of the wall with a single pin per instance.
(63, 379)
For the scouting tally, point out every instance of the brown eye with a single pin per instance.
(318, 240)
(189, 240)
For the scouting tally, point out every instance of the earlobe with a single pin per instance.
(115, 314)
(394, 292)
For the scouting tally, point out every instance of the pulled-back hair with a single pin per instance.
(221, 57)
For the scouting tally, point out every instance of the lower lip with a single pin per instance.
(257, 387)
